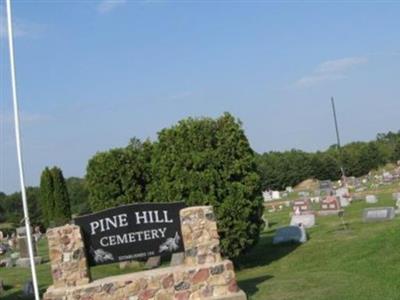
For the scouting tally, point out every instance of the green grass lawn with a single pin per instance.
(359, 262)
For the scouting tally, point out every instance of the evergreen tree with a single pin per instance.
(46, 196)
(61, 210)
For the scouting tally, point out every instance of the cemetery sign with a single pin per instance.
(132, 232)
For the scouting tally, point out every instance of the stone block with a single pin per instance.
(67, 256)
(177, 259)
(25, 262)
(207, 281)
(200, 235)
(153, 262)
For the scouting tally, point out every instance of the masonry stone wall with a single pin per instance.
(67, 256)
(204, 275)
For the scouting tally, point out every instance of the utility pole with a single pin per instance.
(338, 140)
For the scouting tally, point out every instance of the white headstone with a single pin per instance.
(307, 220)
(267, 196)
(371, 199)
(396, 196)
(289, 189)
(344, 202)
(276, 195)
(315, 199)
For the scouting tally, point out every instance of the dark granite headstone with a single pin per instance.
(28, 288)
(23, 247)
(289, 234)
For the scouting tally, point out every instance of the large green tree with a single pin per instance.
(210, 162)
(62, 208)
(46, 196)
(78, 195)
(119, 176)
(54, 199)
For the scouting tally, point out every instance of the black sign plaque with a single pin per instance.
(132, 232)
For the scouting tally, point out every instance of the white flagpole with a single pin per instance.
(19, 152)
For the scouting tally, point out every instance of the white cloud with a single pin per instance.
(330, 70)
(105, 6)
(340, 65)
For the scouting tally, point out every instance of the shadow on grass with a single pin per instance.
(264, 253)
(249, 286)
(18, 295)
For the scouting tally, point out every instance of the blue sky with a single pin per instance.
(93, 74)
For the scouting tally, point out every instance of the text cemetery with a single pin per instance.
(153, 228)
(121, 220)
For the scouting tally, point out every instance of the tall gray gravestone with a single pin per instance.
(22, 243)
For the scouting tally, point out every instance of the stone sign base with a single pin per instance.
(207, 281)
(201, 273)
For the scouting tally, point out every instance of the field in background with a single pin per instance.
(356, 262)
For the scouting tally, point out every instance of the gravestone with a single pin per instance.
(289, 234)
(397, 211)
(396, 196)
(177, 259)
(289, 189)
(153, 262)
(315, 199)
(329, 206)
(371, 199)
(267, 196)
(308, 220)
(378, 214)
(301, 206)
(276, 195)
(344, 196)
(28, 289)
(325, 186)
(7, 263)
(129, 264)
(22, 243)
(387, 177)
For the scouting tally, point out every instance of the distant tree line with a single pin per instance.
(281, 169)
(50, 204)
